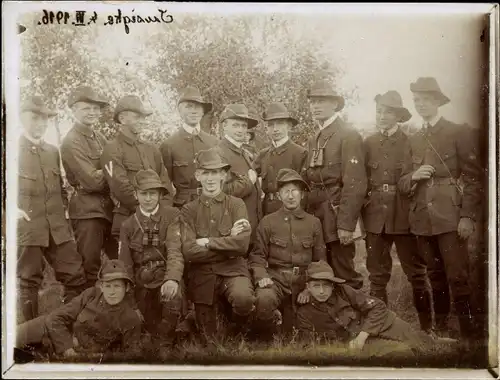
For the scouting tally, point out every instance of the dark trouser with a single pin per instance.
(341, 259)
(92, 236)
(118, 220)
(68, 267)
(160, 316)
(448, 268)
(33, 331)
(379, 264)
(399, 338)
(238, 292)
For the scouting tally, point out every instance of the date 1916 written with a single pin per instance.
(64, 17)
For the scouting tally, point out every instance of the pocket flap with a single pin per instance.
(307, 243)
(279, 242)
(132, 165)
(180, 163)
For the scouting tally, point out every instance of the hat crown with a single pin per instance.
(288, 175)
(146, 178)
(426, 84)
(208, 158)
(322, 88)
(238, 109)
(276, 109)
(320, 266)
(131, 101)
(190, 92)
(114, 266)
(391, 99)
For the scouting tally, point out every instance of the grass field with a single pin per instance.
(229, 350)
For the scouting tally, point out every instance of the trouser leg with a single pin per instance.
(33, 331)
(429, 248)
(90, 235)
(267, 302)
(68, 267)
(413, 265)
(378, 264)
(206, 319)
(239, 293)
(341, 259)
(401, 331)
(29, 278)
(456, 262)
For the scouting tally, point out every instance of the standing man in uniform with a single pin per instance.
(42, 228)
(242, 182)
(216, 237)
(125, 155)
(442, 214)
(288, 240)
(283, 153)
(337, 177)
(385, 215)
(180, 149)
(90, 207)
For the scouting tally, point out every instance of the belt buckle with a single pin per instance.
(385, 187)
(295, 271)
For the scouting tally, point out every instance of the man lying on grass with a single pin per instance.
(341, 313)
(97, 320)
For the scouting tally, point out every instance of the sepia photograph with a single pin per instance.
(249, 190)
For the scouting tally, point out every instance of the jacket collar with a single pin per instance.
(395, 136)
(280, 143)
(208, 200)
(154, 216)
(128, 136)
(28, 143)
(332, 128)
(84, 129)
(233, 142)
(329, 121)
(231, 146)
(298, 213)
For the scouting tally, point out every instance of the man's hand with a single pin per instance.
(265, 282)
(252, 175)
(423, 172)
(345, 237)
(69, 353)
(202, 242)
(303, 297)
(465, 228)
(169, 289)
(358, 343)
(21, 214)
(240, 226)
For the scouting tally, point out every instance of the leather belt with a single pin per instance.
(322, 186)
(385, 188)
(294, 270)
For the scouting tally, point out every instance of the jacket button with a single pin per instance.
(429, 204)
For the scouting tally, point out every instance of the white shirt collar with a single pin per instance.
(434, 120)
(31, 139)
(329, 121)
(233, 141)
(390, 131)
(191, 130)
(148, 214)
(281, 142)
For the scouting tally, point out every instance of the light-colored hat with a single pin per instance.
(36, 104)
(130, 103)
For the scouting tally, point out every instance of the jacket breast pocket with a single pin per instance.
(307, 243)
(279, 242)
(132, 166)
(27, 183)
(450, 159)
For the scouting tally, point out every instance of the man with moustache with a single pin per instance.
(242, 182)
(42, 229)
(90, 207)
(442, 213)
(125, 155)
(385, 214)
(337, 177)
(283, 153)
(180, 149)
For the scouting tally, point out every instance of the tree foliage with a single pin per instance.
(253, 59)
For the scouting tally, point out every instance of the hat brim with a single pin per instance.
(115, 276)
(443, 99)
(340, 99)
(40, 110)
(326, 276)
(302, 183)
(207, 106)
(142, 112)
(215, 166)
(404, 114)
(294, 121)
(100, 102)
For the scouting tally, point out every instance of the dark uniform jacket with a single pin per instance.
(239, 185)
(344, 315)
(285, 240)
(226, 255)
(343, 173)
(179, 152)
(437, 204)
(127, 155)
(154, 263)
(386, 210)
(41, 195)
(81, 151)
(95, 323)
(268, 163)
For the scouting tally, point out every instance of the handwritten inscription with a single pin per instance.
(84, 18)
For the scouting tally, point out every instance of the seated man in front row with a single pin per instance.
(339, 312)
(150, 247)
(288, 240)
(216, 235)
(99, 318)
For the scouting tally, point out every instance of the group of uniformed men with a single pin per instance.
(200, 224)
